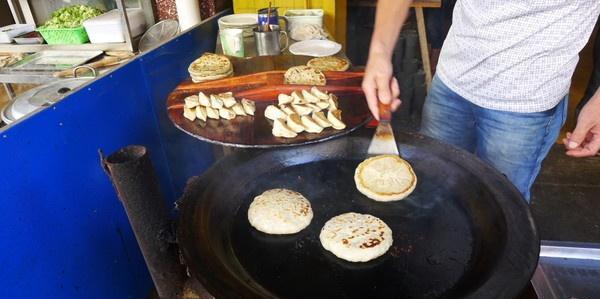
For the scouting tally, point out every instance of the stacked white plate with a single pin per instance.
(245, 21)
(315, 47)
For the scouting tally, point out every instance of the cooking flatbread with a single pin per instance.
(356, 237)
(385, 178)
(280, 211)
(304, 75)
(329, 63)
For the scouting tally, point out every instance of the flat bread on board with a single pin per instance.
(210, 66)
(304, 75)
(329, 63)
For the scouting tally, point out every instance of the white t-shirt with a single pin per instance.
(515, 55)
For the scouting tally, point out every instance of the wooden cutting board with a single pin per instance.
(263, 88)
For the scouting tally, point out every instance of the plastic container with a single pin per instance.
(334, 19)
(7, 33)
(108, 28)
(297, 17)
(64, 36)
(29, 38)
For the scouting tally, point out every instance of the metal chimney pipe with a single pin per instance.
(134, 179)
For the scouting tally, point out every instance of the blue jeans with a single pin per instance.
(514, 143)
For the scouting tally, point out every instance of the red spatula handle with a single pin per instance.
(385, 112)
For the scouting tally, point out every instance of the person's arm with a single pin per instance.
(585, 139)
(379, 83)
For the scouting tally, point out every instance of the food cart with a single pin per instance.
(67, 236)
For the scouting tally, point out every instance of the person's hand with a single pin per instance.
(585, 139)
(379, 83)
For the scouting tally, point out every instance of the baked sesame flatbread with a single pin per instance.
(280, 211)
(304, 75)
(356, 237)
(329, 63)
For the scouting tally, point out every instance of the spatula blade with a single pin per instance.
(383, 141)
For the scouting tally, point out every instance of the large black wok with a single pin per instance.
(465, 232)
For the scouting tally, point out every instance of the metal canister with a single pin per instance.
(269, 42)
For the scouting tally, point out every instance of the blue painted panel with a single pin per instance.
(63, 232)
(186, 156)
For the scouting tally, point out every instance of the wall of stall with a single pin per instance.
(63, 231)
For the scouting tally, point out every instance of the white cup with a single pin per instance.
(232, 41)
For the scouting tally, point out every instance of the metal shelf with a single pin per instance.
(22, 14)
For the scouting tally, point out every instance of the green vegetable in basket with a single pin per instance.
(71, 16)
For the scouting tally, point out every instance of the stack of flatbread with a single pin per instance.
(216, 106)
(329, 63)
(210, 67)
(304, 75)
(304, 111)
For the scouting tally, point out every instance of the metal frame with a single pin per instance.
(16, 12)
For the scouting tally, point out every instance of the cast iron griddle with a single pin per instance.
(465, 232)
(263, 88)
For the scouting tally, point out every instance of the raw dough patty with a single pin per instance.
(356, 237)
(385, 178)
(280, 211)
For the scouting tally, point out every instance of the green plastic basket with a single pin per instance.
(64, 36)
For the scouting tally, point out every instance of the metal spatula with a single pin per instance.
(383, 141)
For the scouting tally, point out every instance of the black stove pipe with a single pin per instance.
(134, 179)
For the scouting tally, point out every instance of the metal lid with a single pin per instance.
(41, 96)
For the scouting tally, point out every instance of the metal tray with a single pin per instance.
(53, 60)
(568, 270)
